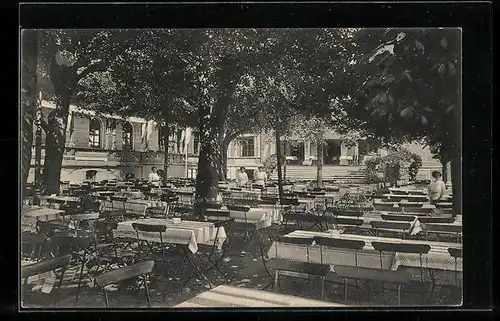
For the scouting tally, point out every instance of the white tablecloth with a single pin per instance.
(437, 258)
(233, 297)
(260, 217)
(137, 207)
(42, 213)
(189, 233)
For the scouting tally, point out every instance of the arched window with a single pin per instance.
(127, 135)
(95, 133)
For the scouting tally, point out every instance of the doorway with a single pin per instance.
(332, 152)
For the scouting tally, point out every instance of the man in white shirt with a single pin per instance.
(241, 177)
(154, 178)
(436, 189)
(260, 176)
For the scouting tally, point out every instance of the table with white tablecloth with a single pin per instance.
(225, 296)
(437, 258)
(189, 233)
(136, 207)
(260, 217)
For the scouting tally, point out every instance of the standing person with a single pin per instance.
(153, 177)
(241, 177)
(260, 176)
(436, 189)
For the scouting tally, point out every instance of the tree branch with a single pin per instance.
(99, 66)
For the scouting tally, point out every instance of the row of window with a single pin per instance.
(95, 134)
(247, 143)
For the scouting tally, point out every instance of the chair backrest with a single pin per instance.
(316, 269)
(45, 266)
(387, 207)
(401, 247)
(345, 212)
(361, 273)
(239, 208)
(149, 227)
(417, 210)
(400, 218)
(455, 253)
(124, 273)
(169, 198)
(156, 211)
(339, 243)
(399, 192)
(224, 223)
(412, 205)
(118, 198)
(290, 201)
(182, 210)
(217, 212)
(211, 205)
(268, 201)
(442, 228)
(344, 221)
(443, 220)
(391, 225)
(295, 240)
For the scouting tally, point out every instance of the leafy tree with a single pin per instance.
(148, 79)
(67, 57)
(405, 84)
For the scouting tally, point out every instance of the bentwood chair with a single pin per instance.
(289, 268)
(397, 218)
(388, 227)
(373, 275)
(138, 270)
(456, 254)
(395, 248)
(213, 257)
(58, 264)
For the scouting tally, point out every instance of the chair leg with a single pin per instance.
(79, 283)
(345, 289)
(323, 288)
(147, 290)
(399, 295)
(276, 278)
(106, 297)
(357, 291)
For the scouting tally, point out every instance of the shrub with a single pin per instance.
(394, 161)
(371, 166)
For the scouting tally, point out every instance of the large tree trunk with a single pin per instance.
(208, 175)
(223, 161)
(319, 162)
(278, 165)
(166, 144)
(54, 148)
(28, 98)
(64, 79)
(444, 170)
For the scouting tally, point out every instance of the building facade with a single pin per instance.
(114, 147)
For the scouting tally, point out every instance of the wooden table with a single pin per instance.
(225, 296)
